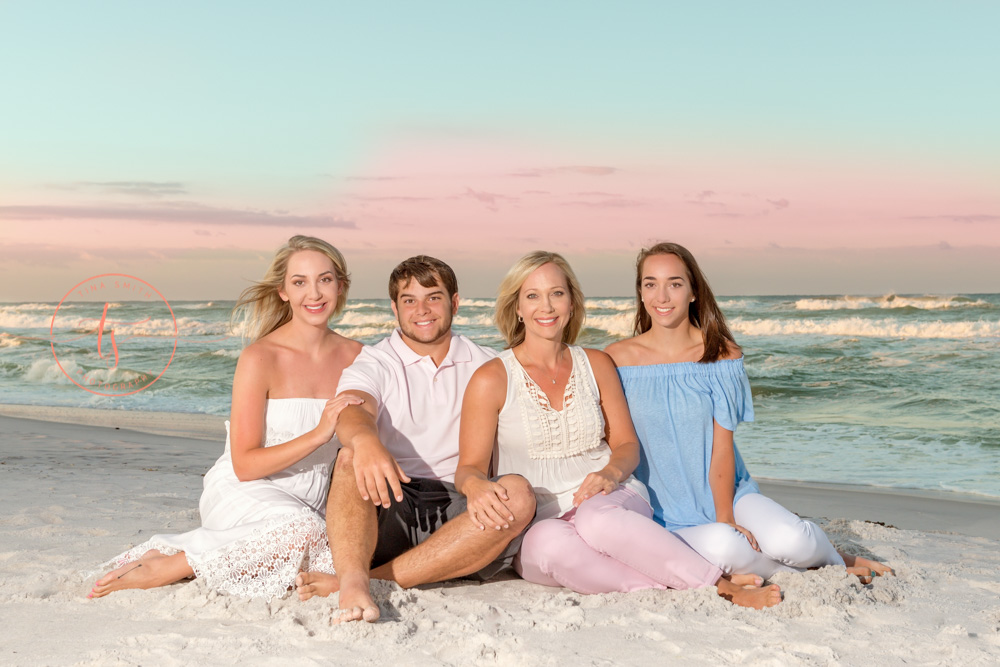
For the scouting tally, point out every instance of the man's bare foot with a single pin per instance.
(316, 584)
(755, 598)
(751, 580)
(152, 570)
(356, 603)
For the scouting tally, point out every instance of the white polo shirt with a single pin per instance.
(419, 404)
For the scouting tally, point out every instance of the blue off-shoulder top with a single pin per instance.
(673, 407)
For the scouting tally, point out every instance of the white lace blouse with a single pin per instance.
(553, 449)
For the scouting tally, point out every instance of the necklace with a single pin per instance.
(559, 357)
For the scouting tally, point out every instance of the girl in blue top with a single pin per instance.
(687, 390)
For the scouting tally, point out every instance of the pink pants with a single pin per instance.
(610, 544)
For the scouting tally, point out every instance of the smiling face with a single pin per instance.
(545, 302)
(424, 313)
(310, 287)
(666, 290)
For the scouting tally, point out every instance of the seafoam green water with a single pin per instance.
(891, 390)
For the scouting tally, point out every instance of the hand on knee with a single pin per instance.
(520, 500)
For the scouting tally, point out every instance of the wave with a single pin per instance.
(25, 307)
(477, 303)
(620, 303)
(889, 301)
(12, 319)
(861, 328)
(474, 321)
(8, 340)
(383, 318)
(619, 324)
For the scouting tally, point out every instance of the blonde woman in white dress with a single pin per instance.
(558, 417)
(264, 500)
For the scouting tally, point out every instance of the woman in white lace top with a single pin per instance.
(263, 501)
(558, 417)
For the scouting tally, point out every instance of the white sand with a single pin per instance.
(75, 495)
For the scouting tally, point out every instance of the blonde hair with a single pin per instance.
(510, 289)
(261, 309)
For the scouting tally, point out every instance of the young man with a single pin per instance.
(392, 503)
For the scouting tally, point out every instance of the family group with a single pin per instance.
(427, 457)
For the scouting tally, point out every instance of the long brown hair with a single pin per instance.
(260, 310)
(703, 312)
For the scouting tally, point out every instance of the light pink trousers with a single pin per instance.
(610, 544)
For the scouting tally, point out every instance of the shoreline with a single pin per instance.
(75, 495)
(904, 508)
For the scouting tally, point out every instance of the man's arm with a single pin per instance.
(376, 472)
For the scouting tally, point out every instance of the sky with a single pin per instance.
(795, 148)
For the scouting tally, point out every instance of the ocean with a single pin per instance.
(893, 391)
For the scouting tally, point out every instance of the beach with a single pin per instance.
(80, 486)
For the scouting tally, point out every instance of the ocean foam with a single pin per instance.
(862, 328)
(848, 302)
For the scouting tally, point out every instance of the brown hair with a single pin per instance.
(703, 312)
(510, 290)
(262, 310)
(428, 271)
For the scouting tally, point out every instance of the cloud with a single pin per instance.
(778, 203)
(378, 198)
(490, 199)
(585, 170)
(144, 189)
(956, 218)
(944, 245)
(172, 213)
(607, 203)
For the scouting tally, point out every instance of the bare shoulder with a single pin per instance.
(254, 367)
(488, 385)
(625, 352)
(600, 361)
(257, 354)
(492, 372)
(346, 347)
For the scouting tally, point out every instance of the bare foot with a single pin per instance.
(356, 603)
(152, 570)
(313, 584)
(751, 580)
(755, 598)
(864, 569)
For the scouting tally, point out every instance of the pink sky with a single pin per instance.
(771, 226)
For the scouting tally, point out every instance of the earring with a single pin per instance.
(520, 319)
(692, 299)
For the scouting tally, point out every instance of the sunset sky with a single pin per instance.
(794, 147)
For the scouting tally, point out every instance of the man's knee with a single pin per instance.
(520, 499)
(344, 463)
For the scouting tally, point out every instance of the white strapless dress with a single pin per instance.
(256, 536)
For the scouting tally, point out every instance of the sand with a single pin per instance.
(76, 494)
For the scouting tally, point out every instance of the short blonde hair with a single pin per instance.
(262, 310)
(510, 290)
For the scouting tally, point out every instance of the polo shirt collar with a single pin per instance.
(457, 351)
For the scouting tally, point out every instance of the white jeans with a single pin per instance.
(787, 543)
